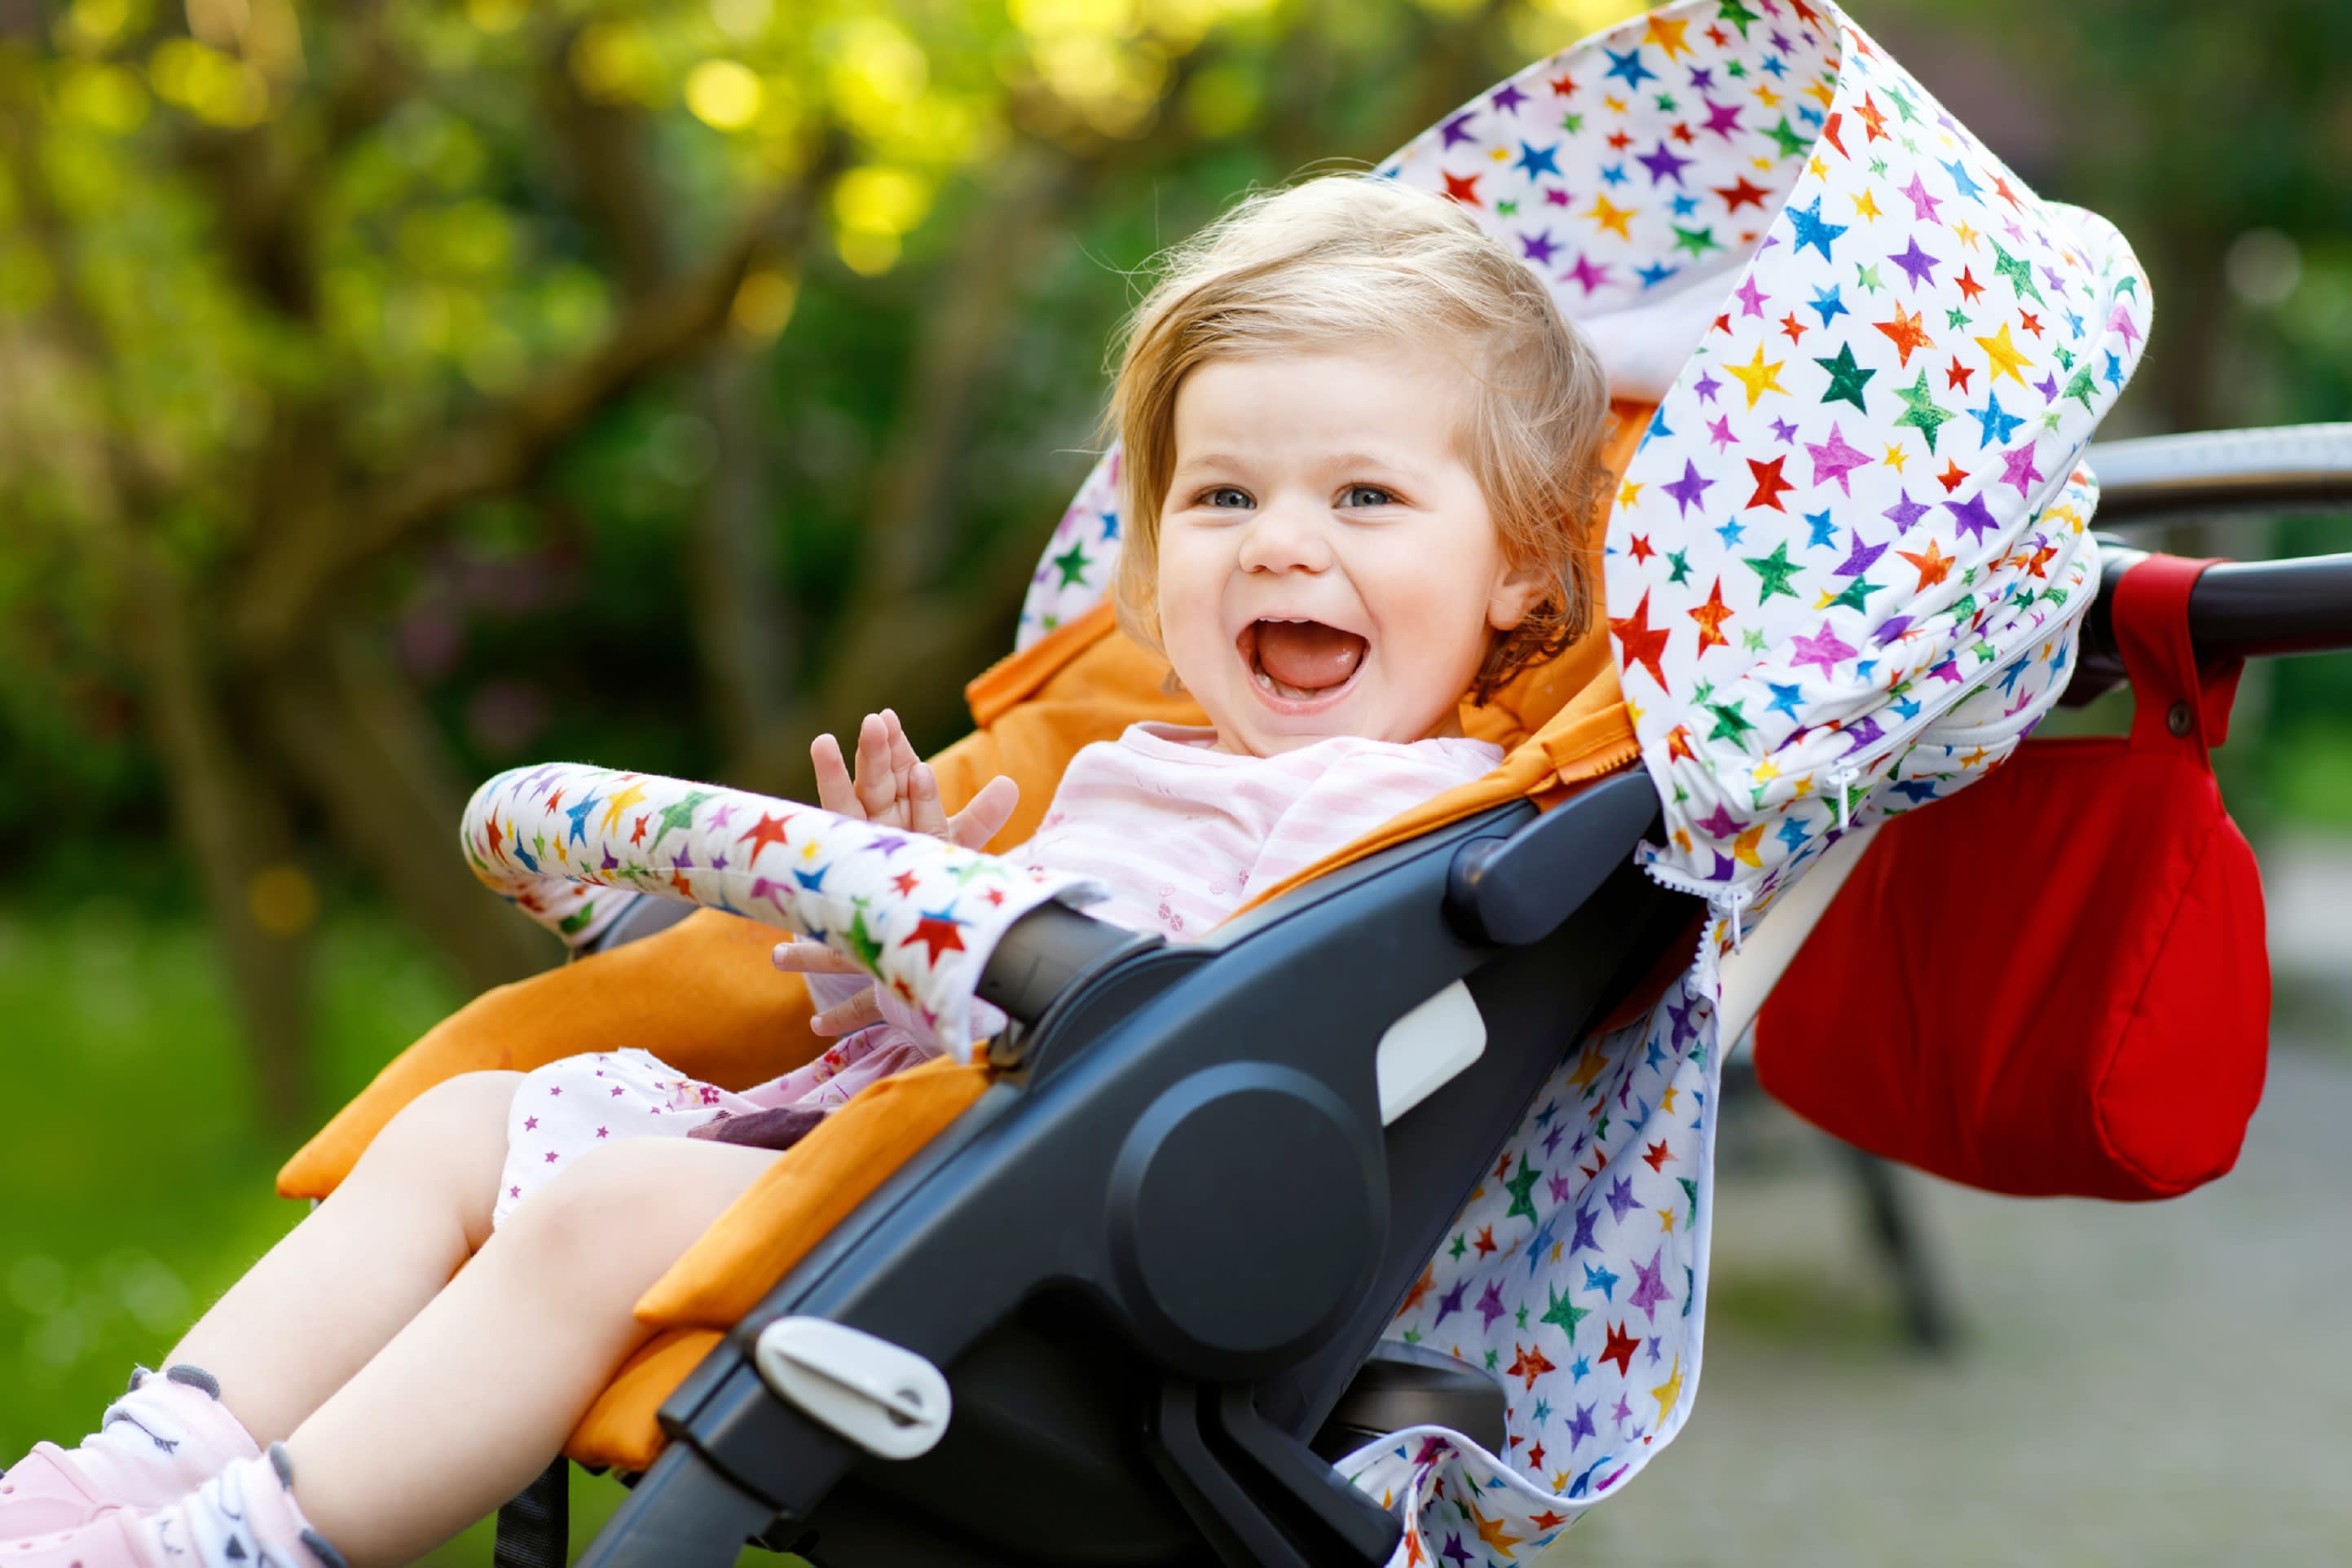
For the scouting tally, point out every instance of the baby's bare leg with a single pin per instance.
(470, 1400)
(338, 1286)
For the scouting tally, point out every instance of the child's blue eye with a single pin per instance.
(1367, 495)
(1226, 496)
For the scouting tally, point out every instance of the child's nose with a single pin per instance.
(1285, 537)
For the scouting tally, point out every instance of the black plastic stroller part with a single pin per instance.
(535, 1525)
(1407, 1386)
(1141, 1341)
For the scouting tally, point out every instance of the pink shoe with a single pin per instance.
(112, 1540)
(43, 1493)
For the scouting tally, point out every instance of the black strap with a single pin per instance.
(535, 1528)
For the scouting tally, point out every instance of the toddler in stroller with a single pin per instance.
(1335, 530)
(1838, 588)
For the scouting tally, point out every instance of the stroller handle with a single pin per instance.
(573, 845)
(2238, 609)
(2289, 469)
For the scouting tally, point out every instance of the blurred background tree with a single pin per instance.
(393, 392)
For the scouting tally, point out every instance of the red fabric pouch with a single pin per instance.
(2070, 993)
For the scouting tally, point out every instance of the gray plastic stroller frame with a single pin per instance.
(1155, 1258)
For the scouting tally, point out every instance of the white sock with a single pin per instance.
(169, 1434)
(246, 1517)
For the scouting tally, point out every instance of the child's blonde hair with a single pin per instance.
(1356, 259)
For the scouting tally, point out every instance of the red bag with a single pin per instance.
(2076, 945)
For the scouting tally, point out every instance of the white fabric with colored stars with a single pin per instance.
(567, 842)
(1845, 572)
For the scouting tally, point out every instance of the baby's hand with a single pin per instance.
(897, 789)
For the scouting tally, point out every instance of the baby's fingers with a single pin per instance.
(813, 958)
(877, 786)
(924, 812)
(860, 1012)
(834, 790)
(987, 814)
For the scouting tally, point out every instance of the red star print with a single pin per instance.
(554, 799)
(1463, 188)
(1531, 1364)
(1742, 194)
(1793, 327)
(2029, 322)
(1639, 549)
(1639, 644)
(1830, 134)
(1487, 1241)
(766, 831)
(1769, 485)
(1970, 286)
(639, 834)
(938, 936)
(496, 837)
(1710, 617)
(1875, 119)
(1957, 374)
(1953, 476)
(1908, 333)
(1562, 85)
(1620, 1349)
(1656, 1155)
(905, 882)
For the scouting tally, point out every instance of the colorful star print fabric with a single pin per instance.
(568, 844)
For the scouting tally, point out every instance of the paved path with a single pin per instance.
(2141, 1386)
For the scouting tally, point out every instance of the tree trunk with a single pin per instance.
(740, 625)
(357, 736)
(232, 819)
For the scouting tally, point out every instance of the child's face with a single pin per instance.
(1328, 564)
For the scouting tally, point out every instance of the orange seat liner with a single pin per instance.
(703, 995)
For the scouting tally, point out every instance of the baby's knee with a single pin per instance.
(455, 1129)
(652, 1197)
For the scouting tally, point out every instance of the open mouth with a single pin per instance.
(1300, 664)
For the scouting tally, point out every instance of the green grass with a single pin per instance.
(136, 1175)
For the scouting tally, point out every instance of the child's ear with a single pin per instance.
(1516, 594)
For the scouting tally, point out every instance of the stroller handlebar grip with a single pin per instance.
(1515, 890)
(571, 846)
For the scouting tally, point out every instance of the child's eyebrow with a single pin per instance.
(1206, 461)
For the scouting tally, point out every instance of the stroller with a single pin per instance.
(1124, 1288)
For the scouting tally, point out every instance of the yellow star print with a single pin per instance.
(1758, 377)
(2003, 356)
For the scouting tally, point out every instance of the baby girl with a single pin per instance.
(1360, 463)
